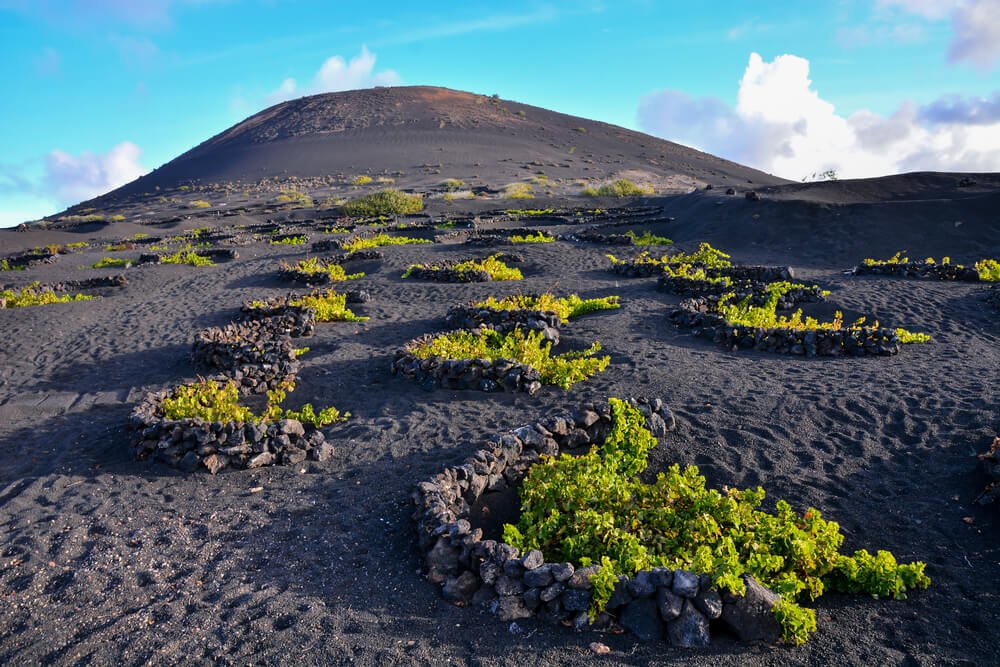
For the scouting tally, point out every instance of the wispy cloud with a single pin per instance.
(975, 26)
(493, 23)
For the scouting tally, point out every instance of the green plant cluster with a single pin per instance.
(988, 269)
(496, 269)
(289, 240)
(218, 401)
(690, 272)
(518, 191)
(314, 266)
(199, 203)
(106, 262)
(704, 257)
(528, 348)
(648, 238)
(34, 294)
(452, 184)
(379, 240)
(294, 197)
(186, 255)
(362, 180)
(621, 187)
(765, 316)
(566, 307)
(540, 237)
(594, 509)
(529, 211)
(384, 202)
(118, 247)
(329, 307)
(5, 265)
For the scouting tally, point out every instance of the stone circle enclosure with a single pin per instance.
(652, 604)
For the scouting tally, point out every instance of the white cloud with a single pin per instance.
(336, 74)
(780, 124)
(975, 26)
(74, 178)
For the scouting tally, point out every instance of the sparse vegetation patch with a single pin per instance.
(384, 202)
(35, 294)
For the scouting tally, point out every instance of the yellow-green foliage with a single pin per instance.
(530, 349)
(5, 265)
(379, 240)
(76, 245)
(314, 265)
(362, 180)
(566, 307)
(199, 203)
(384, 202)
(186, 255)
(648, 238)
(909, 337)
(117, 218)
(452, 184)
(35, 295)
(705, 256)
(289, 240)
(329, 307)
(518, 191)
(619, 188)
(496, 269)
(106, 262)
(540, 237)
(688, 272)
(93, 217)
(298, 199)
(595, 509)
(217, 401)
(988, 270)
(518, 212)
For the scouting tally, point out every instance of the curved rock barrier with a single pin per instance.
(477, 374)
(444, 272)
(919, 270)
(258, 355)
(191, 444)
(291, 321)
(117, 280)
(757, 274)
(473, 317)
(214, 254)
(660, 603)
(601, 239)
(699, 316)
(990, 460)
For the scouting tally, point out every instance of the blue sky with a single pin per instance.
(98, 91)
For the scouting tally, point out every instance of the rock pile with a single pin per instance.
(660, 603)
(504, 321)
(258, 355)
(190, 444)
(919, 270)
(478, 374)
(699, 315)
(444, 272)
(990, 460)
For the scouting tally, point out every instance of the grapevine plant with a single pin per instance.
(496, 269)
(540, 237)
(705, 257)
(218, 401)
(566, 307)
(594, 509)
(314, 266)
(379, 240)
(36, 295)
(527, 348)
(988, 269)
(765, 316)
(648, 238)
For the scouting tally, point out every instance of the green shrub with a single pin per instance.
(379, 240)
(118, 247)
(289, 240)
(530, 349)
(621, 187)
(294, 197)
(452, 184)
(566, 307)
(594, 509)
(314, 266)
(199, 203)
(36, 295)
(689, 272)
(496, 269)
(5, 265)
(106, 262)
(384, 202)
(518, 191)
(518, 212)
(909, 337)
(540, 237)
(76, 245)
(988, 270)
(705, 256)
(362, 180)
(218, 401)
(648, 238)
(329, 307)
(186, 255)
